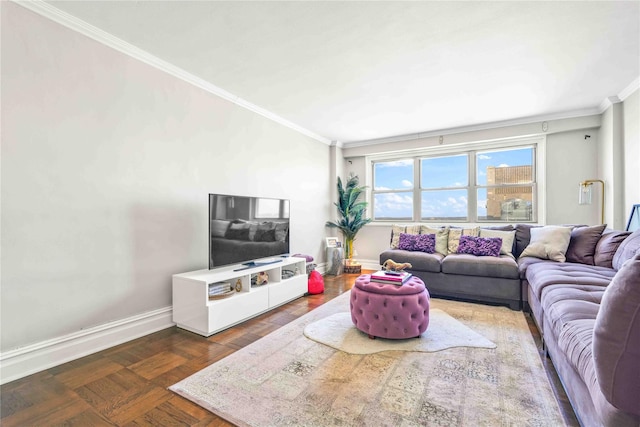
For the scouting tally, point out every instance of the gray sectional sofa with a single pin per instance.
(588, 314)
(584, 299)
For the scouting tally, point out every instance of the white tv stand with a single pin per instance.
(195, 312)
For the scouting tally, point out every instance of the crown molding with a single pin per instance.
(631, 88)
(608, 102)
(51, 12)
(478, 127)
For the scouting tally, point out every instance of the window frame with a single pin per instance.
(537, 143)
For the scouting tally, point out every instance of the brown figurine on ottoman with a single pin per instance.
(390, 311)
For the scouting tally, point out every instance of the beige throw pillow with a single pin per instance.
(549, 242)
(506, 236)
(442, 237)
(397, 229)
(454, 237)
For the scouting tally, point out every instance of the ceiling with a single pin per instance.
(359, 71)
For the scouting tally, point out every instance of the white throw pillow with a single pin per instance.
(549, 242)
(442, 237)
(506, 236)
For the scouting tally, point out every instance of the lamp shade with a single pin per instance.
(584, 195)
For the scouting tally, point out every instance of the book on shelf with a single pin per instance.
(219, 288)
(395, 278)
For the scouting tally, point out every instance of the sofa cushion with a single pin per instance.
(549, 242)
(453, 240)
(419, 261)
(582, 246)
(543, 274)
(487, 266)
(607, 247)
(525, 261)
(442, 237)
(629, 248)
(616, 342)
(506, 236)
(480, 246)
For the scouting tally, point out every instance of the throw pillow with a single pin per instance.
(607, 247)
(616, 338)
(480, 246)
(548, 242)
(442, 237)
(627, 249)
(397, 229)
(523, 236)
(506, 236)
(454, 237)
(582, 245)
(417, 242)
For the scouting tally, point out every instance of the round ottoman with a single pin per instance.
(390, 311)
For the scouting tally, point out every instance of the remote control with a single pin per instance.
(393, 273)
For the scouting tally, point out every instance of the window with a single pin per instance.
(491, 185)
(505, 185)
(444, 182)
(393, 190)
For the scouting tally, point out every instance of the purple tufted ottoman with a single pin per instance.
(390, 311)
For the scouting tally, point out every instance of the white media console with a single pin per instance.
(194, 311)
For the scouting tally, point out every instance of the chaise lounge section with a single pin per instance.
(588, 313)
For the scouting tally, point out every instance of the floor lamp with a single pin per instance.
(584, 197)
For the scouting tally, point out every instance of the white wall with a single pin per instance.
(631, 136)
(106, 167)
(570, 159)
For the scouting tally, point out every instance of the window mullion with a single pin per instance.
(417, 193)
(472, 210)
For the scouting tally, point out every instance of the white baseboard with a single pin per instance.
(37, 357)
(24, 361)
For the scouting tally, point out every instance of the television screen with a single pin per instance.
(244, 230)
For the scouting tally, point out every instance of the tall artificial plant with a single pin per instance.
(351, 212)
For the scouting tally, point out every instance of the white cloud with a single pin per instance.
(484, 157)
(407, 183)
(395, 163)
(503, 165)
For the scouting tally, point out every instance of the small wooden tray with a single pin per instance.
(224, 295)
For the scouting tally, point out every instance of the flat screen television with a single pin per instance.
(247, 231)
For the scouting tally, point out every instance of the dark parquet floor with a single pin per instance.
(127, 385)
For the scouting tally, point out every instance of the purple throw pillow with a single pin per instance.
(582, 246)
(480, 246)
(418, 242)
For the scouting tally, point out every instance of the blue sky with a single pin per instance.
(438, 172)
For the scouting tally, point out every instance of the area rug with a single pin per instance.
(288, 379)
(444, 332)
